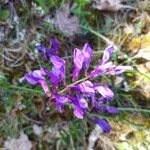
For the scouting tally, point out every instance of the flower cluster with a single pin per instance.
(48, 52)
(83, 95)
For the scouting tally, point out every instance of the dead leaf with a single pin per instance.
(142, 81)
(144, 53)
(142, 45)
(129, 29)
(104, 143)
(66, 23)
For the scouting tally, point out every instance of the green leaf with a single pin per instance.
(4, 14)
(82, 2)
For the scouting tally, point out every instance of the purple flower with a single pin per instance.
(86, 87)
(111, 109)
(103, 124)
(55, 46)
(48, 52)
(101, 69)
(100, 106)
(81, 60)
(92, 99)
(37, 77)
(84, 96)
(58, 71)
(105, 91)
(41, 48)
(80, 106)
(106, 67)
(88, 54)
(83, 103)
(107, 54)
(119, 70)
(78, 59)
(79, 113)
(61, 100)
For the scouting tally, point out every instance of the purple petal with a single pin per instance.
(38, 73)
(107, 54)
(41, 48)
(32, 80)
(54, 79)
(106, 66)
(79, 113)
(111, 109)
(34, 77)
(88, 54)
(60, 101)
(102, 69)
(60, 107)
(98, 105)
(59, 68)
(119, 70)
(95, 73)
(103, 124)
(37, 77)
(92, 99)
(105, 91)
(55, 44)
(44, 72)
(45, 87)
(83, 103)
(78, 60)
(79, 101)
(49, 53)
(86, 87)
(57, 61)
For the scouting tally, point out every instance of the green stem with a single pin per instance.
(72, 84)
(22, 88)
(120, 109)
(98, 34)
(135, 109)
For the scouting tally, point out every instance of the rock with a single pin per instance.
(22, 143)
(37, 130)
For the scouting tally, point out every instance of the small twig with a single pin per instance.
(32, 120)
(14, 50)
(5, 57)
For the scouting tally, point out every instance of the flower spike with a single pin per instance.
(84, 95)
